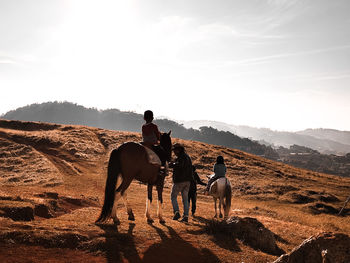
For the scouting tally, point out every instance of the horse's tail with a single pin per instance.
(228, 196)
(112, 176)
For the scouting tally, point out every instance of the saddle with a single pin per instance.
(153, 157)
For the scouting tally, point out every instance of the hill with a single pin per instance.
(52, 183)
(113, 119)
(328, 134)
(223, 134)
(325, 141)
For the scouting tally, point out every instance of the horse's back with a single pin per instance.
(218, 187)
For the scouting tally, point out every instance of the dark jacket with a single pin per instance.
(182, 168)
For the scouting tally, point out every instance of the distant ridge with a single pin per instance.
(326, 141)
(114, 119)
(216, 133)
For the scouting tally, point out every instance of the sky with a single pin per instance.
(279, 64)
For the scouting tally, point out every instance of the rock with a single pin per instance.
(43, 210)
(250, 231)
(319, 208)
(52, 195)
(298, 198)
(328, 198)
(324, 247)
(49, 195)
(17, 210)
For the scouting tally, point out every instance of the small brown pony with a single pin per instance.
(130, 161)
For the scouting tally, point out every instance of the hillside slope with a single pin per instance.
(59, 172)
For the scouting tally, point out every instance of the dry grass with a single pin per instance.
(72, 161)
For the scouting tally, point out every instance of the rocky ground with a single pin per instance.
(51, 189)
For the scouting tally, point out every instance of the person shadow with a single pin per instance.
(121, 247)
(174, 248)
(220, 239)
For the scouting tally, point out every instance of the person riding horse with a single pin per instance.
(219, 171)
(151, 137)
(132, 160)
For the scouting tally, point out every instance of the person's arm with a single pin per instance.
(179, 163)
(215, 169)
(156, 131)
(197, 179)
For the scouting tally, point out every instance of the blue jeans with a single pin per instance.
(182, 188)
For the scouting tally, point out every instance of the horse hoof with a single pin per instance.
(150, 220)
(220, 216)
(162, 221)
(131, 217)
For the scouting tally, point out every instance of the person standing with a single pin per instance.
(192, 194)
(182, 176)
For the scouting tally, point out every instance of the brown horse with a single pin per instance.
(131, 161)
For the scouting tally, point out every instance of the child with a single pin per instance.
(151, 137)
(150, 132)
(192, 193)
(219, 171)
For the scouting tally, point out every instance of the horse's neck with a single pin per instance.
(167, 149)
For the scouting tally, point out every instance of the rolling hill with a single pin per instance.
(325, 141)
(222, 134)
(52, 184)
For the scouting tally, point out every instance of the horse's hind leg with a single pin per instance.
(216, 209)
(128, 208)
(220, 202)
(114, 209)
(148, 203)
(118, 193)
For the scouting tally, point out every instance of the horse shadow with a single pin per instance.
(172, 248)
(120, 245)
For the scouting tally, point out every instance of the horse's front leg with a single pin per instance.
(216, 209)
(148, 203)
(160, 204)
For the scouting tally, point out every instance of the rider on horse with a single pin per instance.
(151, 136)
(219, 171)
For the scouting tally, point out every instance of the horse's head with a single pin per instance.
(165, 142)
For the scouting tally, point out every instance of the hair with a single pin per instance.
(148, 115)
(220, 160)
(178, 146)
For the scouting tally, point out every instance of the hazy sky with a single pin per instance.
(281, 64)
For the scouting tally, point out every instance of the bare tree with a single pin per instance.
(346, 202)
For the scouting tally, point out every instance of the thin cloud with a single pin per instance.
(268, 59)
(7, 60)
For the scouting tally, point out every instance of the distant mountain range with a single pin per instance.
(300, 149)
(114, 119)
(326, 141)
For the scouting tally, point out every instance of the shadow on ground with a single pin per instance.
(171, 248)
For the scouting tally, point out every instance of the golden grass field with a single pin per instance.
(62, 169)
